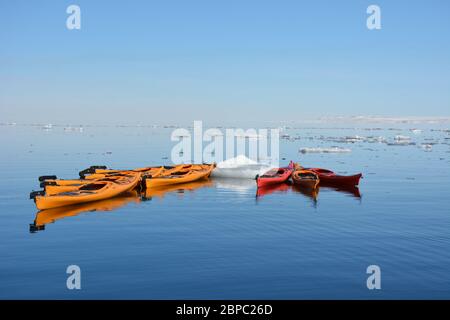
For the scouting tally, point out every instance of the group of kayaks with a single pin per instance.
(305, 177)
(98, 183)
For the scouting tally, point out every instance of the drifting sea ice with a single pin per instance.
(73, 129)
(325, 150)
(240, 167)
(353, 139)
(374, 139)
(427, 146)
(401, 143)
(402, 138)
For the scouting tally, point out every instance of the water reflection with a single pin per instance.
(51, 215)
(279, 188)
(310, 193)
(241, 187)
(160, 192)
(349, 190)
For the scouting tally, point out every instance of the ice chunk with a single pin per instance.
(237, 161)
(325, 150)
(354, 139)
(373, 139)
(240, 167)
(71, 129)
(402, 138)
(401, 143)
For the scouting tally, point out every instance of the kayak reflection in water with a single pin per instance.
(350, 190)
(44, 217)
(264, 191)
(314, 193)
(161, 191)
(311, 193)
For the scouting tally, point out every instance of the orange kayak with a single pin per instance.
(94, 172)
(98, 172)
(52, 185)
(305, 178)
(94, 191)
(187, 173)
(51, 215)
(59, 186)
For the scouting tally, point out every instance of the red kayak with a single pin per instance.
(275, 176)
(329, 177)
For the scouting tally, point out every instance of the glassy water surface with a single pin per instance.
(216, 239)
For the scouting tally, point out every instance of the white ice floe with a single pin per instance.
(73, 129)
(401, 143)
(416, 131)
(373, 139)
(381, 119)
(353, 139)
(47, 126)
(402, 138)
(325, 150)
(240, 167)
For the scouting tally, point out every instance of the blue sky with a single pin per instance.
(151, 61)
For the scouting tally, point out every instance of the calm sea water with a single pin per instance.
(218, 240)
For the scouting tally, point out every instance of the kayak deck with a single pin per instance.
(97, 190)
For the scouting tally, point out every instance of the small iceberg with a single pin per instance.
(325, 150)
(240, 167)
(374, 139)
(402, 138)
(354, 139)
(73, 129)
(401, 141)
